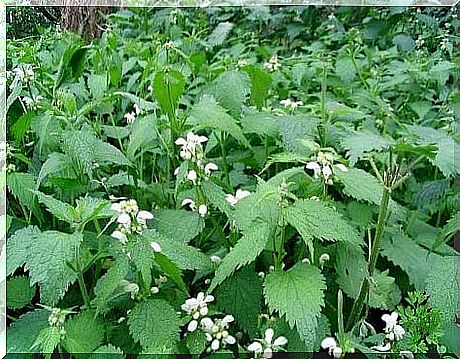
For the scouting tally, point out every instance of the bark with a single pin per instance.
(86, 21)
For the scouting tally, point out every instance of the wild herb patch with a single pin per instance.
(236, 180)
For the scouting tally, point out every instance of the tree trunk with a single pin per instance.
(84, 20)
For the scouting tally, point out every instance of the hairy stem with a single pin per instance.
(364, 290)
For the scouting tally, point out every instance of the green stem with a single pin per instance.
(224, 159)
(364, 290)
(81, 280)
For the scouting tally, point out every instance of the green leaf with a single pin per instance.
(20, 185)
(48, 130)
(351, 269)
(263, 124)
(413, 259)
(143, 258)
(60, 210)
(208, 114)
(313, 219)
(71, 64)
(88, 209)
(97, 85)
(108, 351)
(359, 143)
(19, 292)
(295, 130)
(196, 342)
(298, 294)
(15, 92)
(154, 323)
(230, 89)
(18, 247)
(79, 147)
(184, 256)
(216, 196)
(107, 284)
(448, 231)
(219, 34)
(47, 265)
(143, 135)
(24, 331)
(261, 82)
(345, 69)
(443, 287)
(168, 88)
(22, 125)
(181, 225)
(54, 164)
(105, 153)
(84, 333)
(171, 270)
(245, 251)
(241, 295)
(143, 104)
(47, 340)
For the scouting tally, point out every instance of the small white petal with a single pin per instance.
(280, 341)
(312, 166)
(210, 167)
(207, 323)
(202, 210)
(382, 348)
(208, 299)
(268, 353)
(269, 335)
(240, 194)
(120, 236)
(215, 344)
(144, 215)
(124, 218)
(228, 319)
(255, 347)
(192, 326)
(181, 142)
(189, 202)
(327, 171)
(328, 342)
(231, 199)
(116, 207)
(230, 340)
(337, 352)
(192, 176)
(215, 259)
(341, 167)
(204, 311)
(154, 290)
(155, 246)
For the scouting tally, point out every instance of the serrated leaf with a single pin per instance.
(413, 259)
(196, 342)
(351, 269)
(105, 153)
(143, 135)
(143, 104)
(261, 82)
(245, 251)
(47, 265)
(184, 256)
(143, 258)
(359, 143)
(107, 284)
(19, 292)
(20, 185)
(168, 88)
(47, 340)
(79, 147)
(230, 89)
(181, 225)
(18, 247)
(313, 219)
(241, 296)
(60, 210)
(208, 114)
(219, 34)
(24, 331)
(108, 351)
(55, 163)
(171, 270)
(97, 85)
(296, 129)
(345, 69)
(443, 286)
(298, 294)
(263, 124)
(84, 333)
(22, 125)
(216, 196)
(154, 323)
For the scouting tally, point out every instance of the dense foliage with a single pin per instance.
(236, 180)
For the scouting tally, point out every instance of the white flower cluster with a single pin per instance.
(202, 208)
(273, 64)
(196, 307)
(131, 220)
(323, 166)
(393, 331)
(32, 102)
(216, 332)
(330, 344)
(24, 73)
(158, 281)
(265, 347)
(129, 287)
(131, 116)
(239, 195)
(292, 104)
(192, 148)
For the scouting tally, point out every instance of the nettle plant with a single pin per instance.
(235, 181)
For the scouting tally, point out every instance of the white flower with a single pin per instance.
(217, 332)
(137, 109)
(192, 176)
(150, 88)
(176, 171)
(272, 64)
(130, 117)
(315, 167)
(124, 219)
(323, 258)
(391, 321)
(154, 290)
(120, 236)
(193, 305)
(210, 167)
(215, 259)
(287, 102)
(267, 345)
(142, 216)
(116, 207)
(190, 145)
(382, 348)
(32, 102)
(330, 344)
(327, 172)
(189, 202)
(239, 195)
(290, 103)
(155, 246)
(202, 210)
